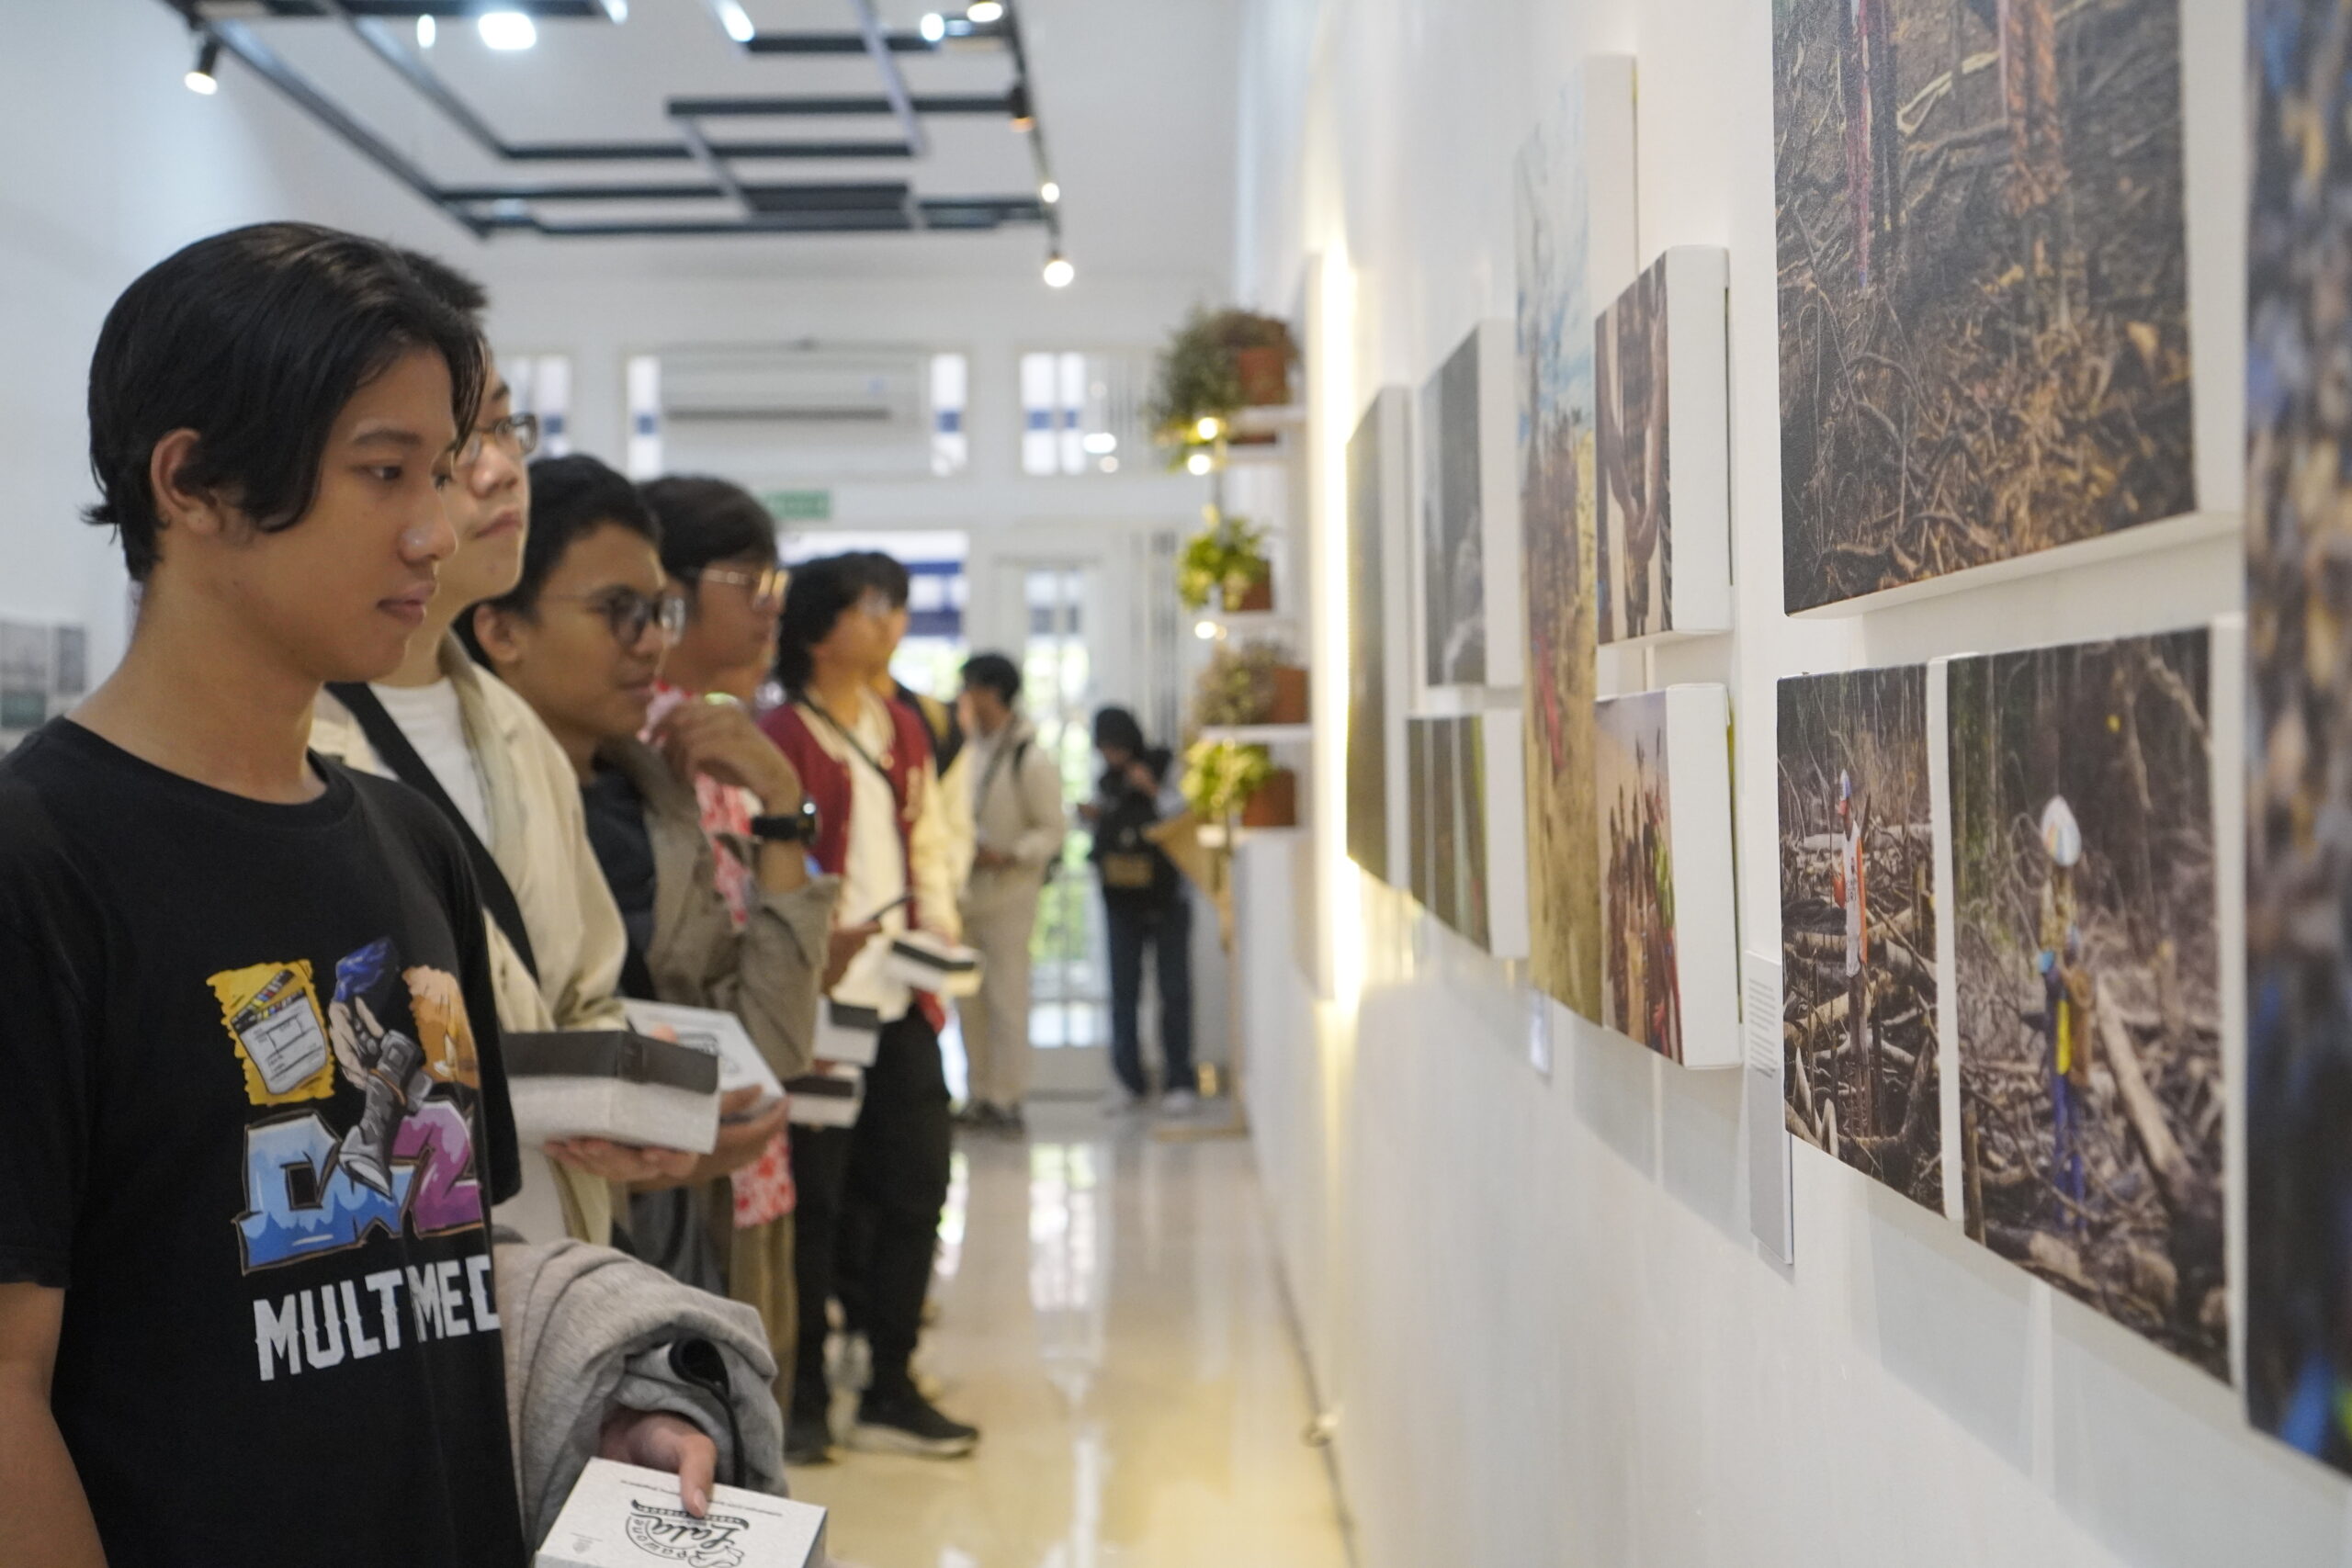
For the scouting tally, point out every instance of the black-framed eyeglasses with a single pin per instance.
(766, 585)
(518, 433)
(630, 613)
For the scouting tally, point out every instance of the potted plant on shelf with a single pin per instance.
(1228, 558)
(1254, 684)
(1223, 779)
(1218, 363)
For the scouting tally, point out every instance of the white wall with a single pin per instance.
(1535, 1303)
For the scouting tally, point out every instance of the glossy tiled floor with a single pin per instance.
(1110, 1318)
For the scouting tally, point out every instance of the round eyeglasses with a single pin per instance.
(518, 433)
(630, 613)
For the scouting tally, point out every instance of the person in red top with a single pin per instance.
(867, 764)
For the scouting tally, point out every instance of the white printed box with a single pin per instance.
(621, 1517)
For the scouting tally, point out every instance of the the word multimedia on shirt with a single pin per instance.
(403, 1166)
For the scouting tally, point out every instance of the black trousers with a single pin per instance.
(1166, 926)
(892, 1169)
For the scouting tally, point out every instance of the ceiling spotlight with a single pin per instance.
(735, 19)
(1016, 104)
(985, 11)
(428, 31)
(1059, 274)
(200, 79)
(1199, 463)
(1210, 427)
(507, 30)
(1204, 630)
(1049, 193)
(933, 26)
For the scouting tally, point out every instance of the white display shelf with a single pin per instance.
(1270, 421)
(1242, 622)
(1260, 734)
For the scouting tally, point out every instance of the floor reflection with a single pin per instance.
(1110, 1316)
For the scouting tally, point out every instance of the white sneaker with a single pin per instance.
(1179, 1102)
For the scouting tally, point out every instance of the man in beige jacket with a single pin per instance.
(497, 765)
(1018, 829)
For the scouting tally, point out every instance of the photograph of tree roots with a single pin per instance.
(1858, 926)
(1983, 264)
(2298, 734)
(2087, 982)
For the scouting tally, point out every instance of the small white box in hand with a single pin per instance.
(612, 1083)
(621, 1517)
(740, 1066)
(847, 1032)
(831, 1097)
(933, 963)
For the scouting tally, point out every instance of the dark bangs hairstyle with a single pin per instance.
(256, 339)
(706, 521)
(820, 592)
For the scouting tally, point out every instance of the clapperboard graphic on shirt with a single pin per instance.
(273, 1011)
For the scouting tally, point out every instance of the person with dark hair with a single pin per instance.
(1143, 905)
(718, 548)
(867, 764)
(941, 721)
(445, 727)
(1018, 828)
(257, 1113)
(582, 637)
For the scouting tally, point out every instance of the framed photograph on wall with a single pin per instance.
(1379, 525)
(1573, 201)
(2086, 1017)
(1662, 493)
(1670, 953)
(1983, 289)
(1470, 841)
(1860, 988)
(1468, 594)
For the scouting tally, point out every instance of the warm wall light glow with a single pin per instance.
(985, 11)
(1331, 386)
(1210, 427)
(1059, 274)
(933, 26)
(428, 32)
(507, 29)
(1049, 193)
(1199, 463)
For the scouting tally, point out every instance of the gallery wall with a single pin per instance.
(1532, 1301)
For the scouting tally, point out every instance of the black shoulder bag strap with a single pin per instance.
(412, 770)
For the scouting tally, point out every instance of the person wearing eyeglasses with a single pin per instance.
(479, 753)
(582, 637)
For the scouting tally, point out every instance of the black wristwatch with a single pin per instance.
(792, 827)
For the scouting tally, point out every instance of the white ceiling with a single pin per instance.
(1137, 99)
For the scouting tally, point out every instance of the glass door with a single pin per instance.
(1069, 986)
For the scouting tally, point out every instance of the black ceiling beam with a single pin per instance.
(834, 43)
(407, 10)
(769, 195)
(678, 153)
(936, 104)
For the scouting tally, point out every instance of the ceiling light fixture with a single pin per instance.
(1059, 274)
(200, 79)
(1017, 104)
(1199, 463)
(736, 20)
(1050, 192)
(1210, 427)
(507, 30)
(1204, 630)
(985, 11)
(933, 26)
(428, 32)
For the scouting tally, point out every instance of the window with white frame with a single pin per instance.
(1082, 413)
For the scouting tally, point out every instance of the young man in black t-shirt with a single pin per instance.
(253, 1117)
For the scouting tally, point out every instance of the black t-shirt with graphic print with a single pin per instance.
(252, 1120)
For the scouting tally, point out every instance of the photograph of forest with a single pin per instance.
(2298, 734)
(1634, 544)
(1642, 993)
(1367, 652)
(2087, 981)
(1453, 551)
(1556, 500)
(1983, 261)
(1447, 756)
(1858, 925)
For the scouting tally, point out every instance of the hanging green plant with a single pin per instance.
(1218, 363)
(1228, 558)
(1221, 776)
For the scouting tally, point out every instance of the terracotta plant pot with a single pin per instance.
(1276, 803)
(1264, 374)
(1258, 597)
(1289, 706)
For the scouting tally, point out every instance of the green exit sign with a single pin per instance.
(800, 505)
